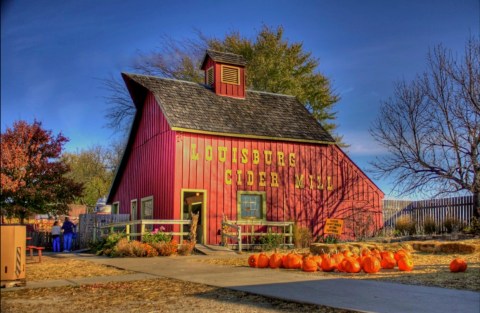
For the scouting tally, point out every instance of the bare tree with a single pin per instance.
(431, 127)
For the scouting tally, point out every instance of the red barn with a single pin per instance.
(219, 149)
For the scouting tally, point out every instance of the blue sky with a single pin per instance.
(54, 54)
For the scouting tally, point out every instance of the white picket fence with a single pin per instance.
(460, 208)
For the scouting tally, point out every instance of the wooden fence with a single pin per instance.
(459, 208)
(90, 225)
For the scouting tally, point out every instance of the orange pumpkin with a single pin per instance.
(294, 261)
(387, 254)
(388, 262)
(371, 264)
(309, 265)
(328, 264)
(351, 265)
(347, 253)
(263, 260)
(253, 260)
(458, 265)
(275, 260)
(338, 258)
(401, 253)
(405, 264)
(365, 252)
(318, 259)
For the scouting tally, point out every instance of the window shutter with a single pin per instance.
(210, 76)
(230, 75)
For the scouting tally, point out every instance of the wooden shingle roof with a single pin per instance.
(224, 57)
(193, 107)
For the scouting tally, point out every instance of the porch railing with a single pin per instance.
(244, 233)
(132, 232)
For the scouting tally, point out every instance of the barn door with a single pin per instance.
(194, 202)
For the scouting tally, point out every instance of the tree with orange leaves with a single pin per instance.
(33, 173)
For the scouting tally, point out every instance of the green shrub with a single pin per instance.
(156, 236)
(107, 244)
(329, 239)
(271, 241)
(429, 226)
(405, 226)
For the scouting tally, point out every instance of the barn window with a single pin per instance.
(210, 76)
(251, 205)
(147, 211)
(230, 75)
(116, 207)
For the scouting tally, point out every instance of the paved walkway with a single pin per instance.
(359, 295)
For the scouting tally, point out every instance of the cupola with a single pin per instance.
(225, 73)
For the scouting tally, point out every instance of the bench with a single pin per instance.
(39, 252)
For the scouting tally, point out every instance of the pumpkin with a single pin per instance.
(458, 265)
(293, 261)
(405, 264)
(328, 264)
(388, 262)
(401, 253)
(371, 264)
(276, 260)
(376, 253)
(351, 265)
(309, 265)
(387, 254)
(263, 260)
(318, 259)
(340, 266)
(347, 253)
(338, 258)
(253, 260)
(365, 252)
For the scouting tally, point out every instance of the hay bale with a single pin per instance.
(424, 247)
(454, 247)
(319, 248)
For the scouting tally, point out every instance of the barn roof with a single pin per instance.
(224, 57)
(193, 107)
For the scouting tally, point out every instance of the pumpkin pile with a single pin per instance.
(370, 261)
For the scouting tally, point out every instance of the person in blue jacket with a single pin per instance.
(68, 231)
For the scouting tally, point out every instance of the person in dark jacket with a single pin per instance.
(68, 230)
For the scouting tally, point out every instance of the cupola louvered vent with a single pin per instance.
(210, 76)
(230, 75)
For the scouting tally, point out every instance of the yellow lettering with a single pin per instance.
(228, 177)
(262, 182)
(274, 177)
(244, 156)
(299, 181)
(268, 157)
(256, 157)
(291, 159)
(319, 183)
(329, 183)
(222, 154)
(280, 158)
(311, 181)
(194, 152)
(208, 153)
(239, 177)
(249, 178)
(234, 155)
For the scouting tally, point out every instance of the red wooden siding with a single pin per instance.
(150, 166)
(223, 89)
(353, 197)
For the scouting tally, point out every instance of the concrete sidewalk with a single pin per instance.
(358, 295)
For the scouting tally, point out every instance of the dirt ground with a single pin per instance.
(168, 295)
